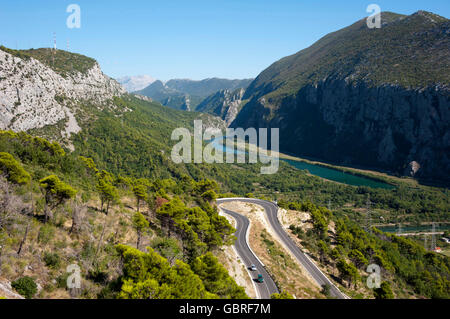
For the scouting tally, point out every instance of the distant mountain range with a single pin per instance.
(135, 83)
(188, 94)
(377, 98)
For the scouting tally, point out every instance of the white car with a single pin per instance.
(253, 268)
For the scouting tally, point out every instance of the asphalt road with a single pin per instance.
(268, 287)
(272, 211)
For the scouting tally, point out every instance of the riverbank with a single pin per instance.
(329, 172)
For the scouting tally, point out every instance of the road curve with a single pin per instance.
(272, 216)
(268, 287)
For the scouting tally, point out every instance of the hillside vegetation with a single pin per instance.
(58, 209)
(408, 50)
(346, 250)
(60, 61)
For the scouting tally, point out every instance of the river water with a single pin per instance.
(321, 171)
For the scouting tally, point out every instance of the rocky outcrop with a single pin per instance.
(6, 291)
(225, 104)
(351, 123)
(373, 98)
(32, 95)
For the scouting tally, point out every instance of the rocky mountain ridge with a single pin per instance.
(33, 95)
(184, 94)
(376, 99)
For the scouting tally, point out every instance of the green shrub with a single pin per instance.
(46, 233)
(52, 260)
(25, 286)
(14, 171)
(61, 281)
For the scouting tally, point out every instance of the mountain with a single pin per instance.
(207, 87)
(65, 97)
(225, 104)
(187, 94)
(376, 98)
(167, 96)
(135, 83)
(45, 87)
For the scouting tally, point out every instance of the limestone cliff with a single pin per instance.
(34, 95)
(373, 98)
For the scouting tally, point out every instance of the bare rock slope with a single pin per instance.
(34, 95)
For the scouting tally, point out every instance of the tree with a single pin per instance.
(209, 195)
(25, 286)
(323, 251)
(13, 170)
(384, 292)
(348, 272)
(56, 192)
(140, 224)
(216, 278)
(150, 276)
(320, 223)
(108, 193)
(168, 248)
(140, 192)
(91, 168)
(206, 185)
(358, 258)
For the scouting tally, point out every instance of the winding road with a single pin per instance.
(268, 287)
(247, 255)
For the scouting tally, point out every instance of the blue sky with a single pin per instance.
(188, 39)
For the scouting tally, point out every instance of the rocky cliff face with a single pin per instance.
(33, 95)
(225, 104)
(370, 98)
(387, 127)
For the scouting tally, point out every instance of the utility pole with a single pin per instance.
(426, 242)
